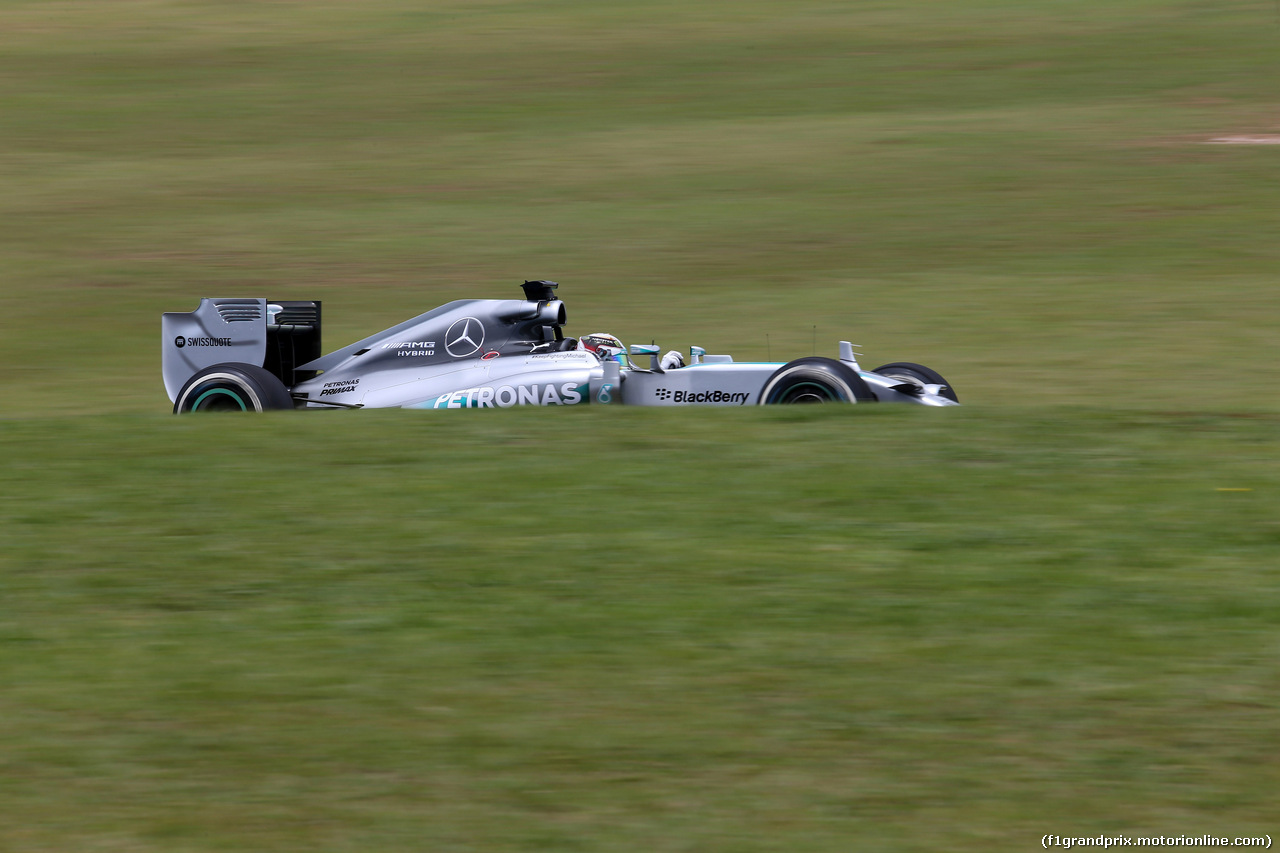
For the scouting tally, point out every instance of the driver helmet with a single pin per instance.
(603, 345)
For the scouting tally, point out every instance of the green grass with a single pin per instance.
(717, 633)
(609, 629)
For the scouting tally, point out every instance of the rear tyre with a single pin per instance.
(232, 387)
(909, 370)
(815, 380)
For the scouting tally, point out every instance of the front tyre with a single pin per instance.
(232, 387)
(815, 380)
(909, 370)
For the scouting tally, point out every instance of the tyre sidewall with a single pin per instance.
(842, 381)
(252, 388)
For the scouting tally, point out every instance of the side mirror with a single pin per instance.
(650, 350)
(847, 355)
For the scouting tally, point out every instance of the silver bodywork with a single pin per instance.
(475, 353)
(739, 384)
(219, 331)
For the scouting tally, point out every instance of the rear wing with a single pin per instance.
(278, 335)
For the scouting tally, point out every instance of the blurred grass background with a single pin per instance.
(659, 630)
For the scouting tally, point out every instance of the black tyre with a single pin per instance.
(815, 380)
(908, 370)
(232, 387)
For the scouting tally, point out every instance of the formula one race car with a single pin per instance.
(258, 354)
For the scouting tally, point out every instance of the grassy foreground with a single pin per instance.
(1052, 611)
(806, 629)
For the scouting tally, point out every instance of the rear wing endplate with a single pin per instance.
(276, 334)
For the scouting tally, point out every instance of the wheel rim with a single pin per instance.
(808, 392)
(219, 400)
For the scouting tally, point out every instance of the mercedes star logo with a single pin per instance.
(464, 337)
